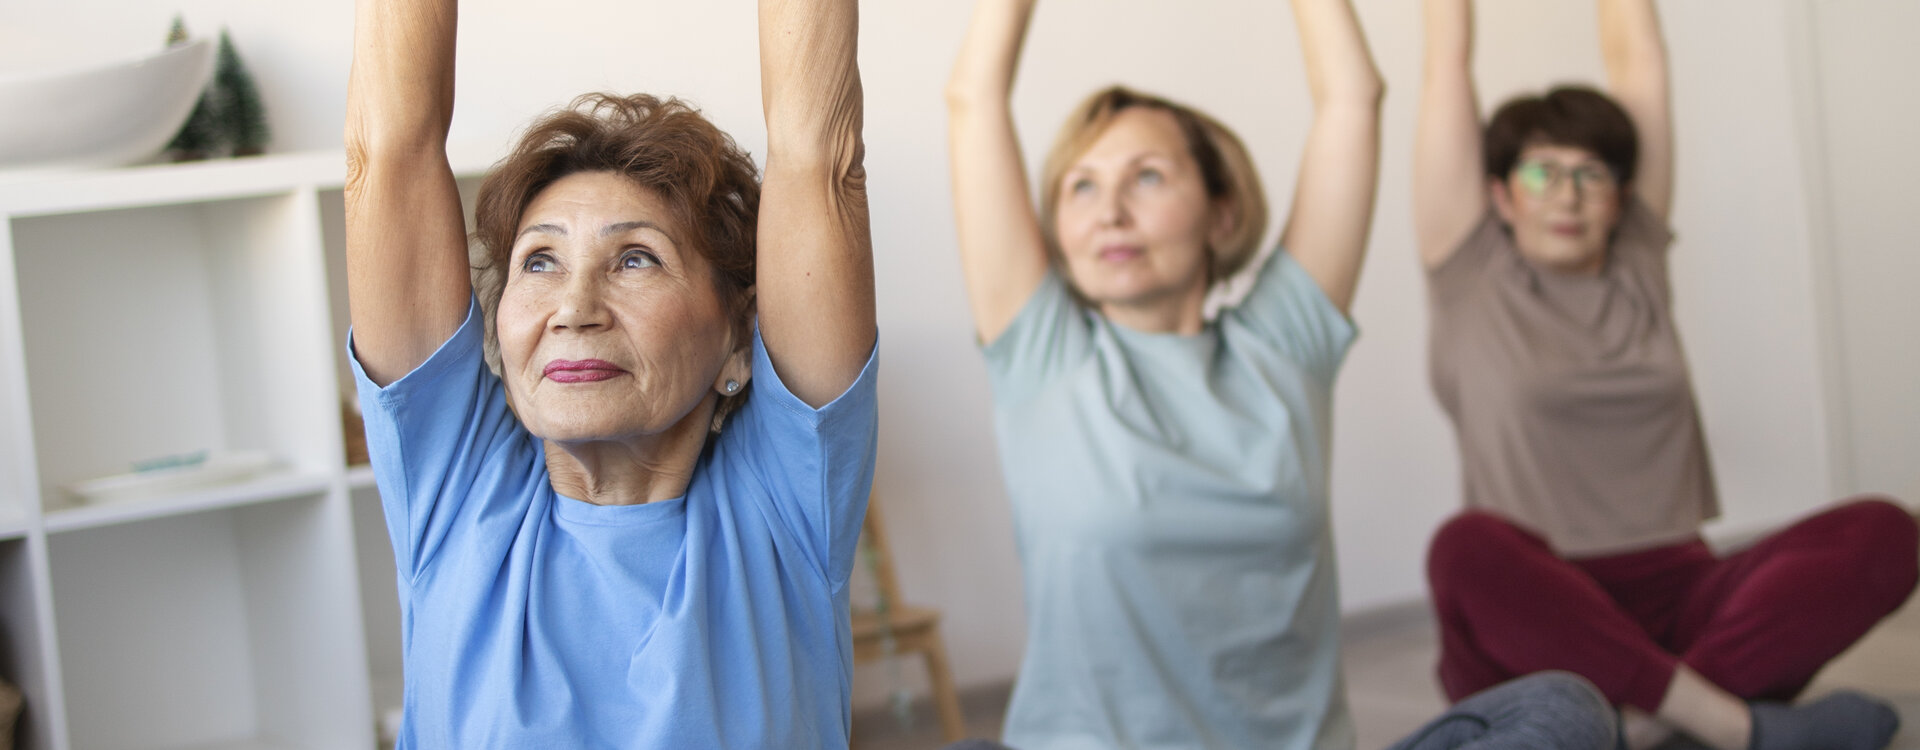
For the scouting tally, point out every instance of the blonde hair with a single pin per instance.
(1225, 168)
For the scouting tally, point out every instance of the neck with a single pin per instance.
(1177, 313)
(1590, 266)
(631, 471)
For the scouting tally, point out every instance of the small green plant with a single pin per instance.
(229, 118)
(243, 117)
(177, 35)
(200, 136)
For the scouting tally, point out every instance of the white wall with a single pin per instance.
(1747, 308)
(1866, 228)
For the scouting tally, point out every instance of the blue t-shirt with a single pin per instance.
(1170, 499)
(715, 620)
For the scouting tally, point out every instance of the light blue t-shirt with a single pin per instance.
(1170, 501)
(530, 619)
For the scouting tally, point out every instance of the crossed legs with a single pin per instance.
(1673, 632)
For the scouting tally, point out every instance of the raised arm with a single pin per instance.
(1636, 60)
(815, 278)
(407, 282)
(1449, 182)
(1333, 200)
(1002, 254)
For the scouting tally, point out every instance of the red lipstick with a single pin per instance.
(580, 370)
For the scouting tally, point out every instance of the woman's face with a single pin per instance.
(1133, 218)
(610, 325)
(1562, 203)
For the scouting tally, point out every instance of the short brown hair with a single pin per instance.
(706, 180)
(1225, 169)
(1574, 116)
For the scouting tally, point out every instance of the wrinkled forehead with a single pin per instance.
(1132, 134)
(596, 201)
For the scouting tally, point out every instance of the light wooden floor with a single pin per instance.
(1391, 689)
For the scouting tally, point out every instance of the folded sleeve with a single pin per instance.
(1049, 335)
(816, 464)
(1288, 308)
(1463, 271)
(440, 439)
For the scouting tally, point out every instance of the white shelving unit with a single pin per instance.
(160, 311)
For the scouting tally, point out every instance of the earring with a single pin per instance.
(733, 386)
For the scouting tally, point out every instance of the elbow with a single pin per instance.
(1374, 91)
(825, 140)
(836, 157)
(969, 91)
(847, 169)
(374, 156)
(381, 127)
(360, 151)
(368, 154)
(373, 143)
(1367, 87)
(356, 161)
(957, 97)
(970, 109)
(963, 97)
(1364, 91)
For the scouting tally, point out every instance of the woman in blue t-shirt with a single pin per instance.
(587, 559)
(1168, 473)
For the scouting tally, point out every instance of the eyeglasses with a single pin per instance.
(1541, 177)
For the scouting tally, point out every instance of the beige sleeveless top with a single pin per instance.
(1569, 395)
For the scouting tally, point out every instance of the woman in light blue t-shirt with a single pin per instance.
(1168, 473)
(586, 559)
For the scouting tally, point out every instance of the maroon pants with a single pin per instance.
(1758, 623)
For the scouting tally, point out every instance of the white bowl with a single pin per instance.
(102, 116)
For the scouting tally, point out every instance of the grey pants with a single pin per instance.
(1545, 711)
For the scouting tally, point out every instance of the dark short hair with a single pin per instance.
(665, 145)
(1575, 116)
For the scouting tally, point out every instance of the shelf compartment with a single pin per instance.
(360, 477)
(21, 651)
(168, 330)
(19, 495)
(379, 600)
(13, 524)
(271, 488)
(224, 628)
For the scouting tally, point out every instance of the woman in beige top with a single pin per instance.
(1585, 471)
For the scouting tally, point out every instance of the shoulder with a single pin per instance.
(1288, 310)
(1641, 229)
(803, 473)
(1489, 241)
(1049, 335)
(459, 359)
(771, 406)
(780, 439)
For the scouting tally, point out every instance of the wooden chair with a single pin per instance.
(913, 629)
